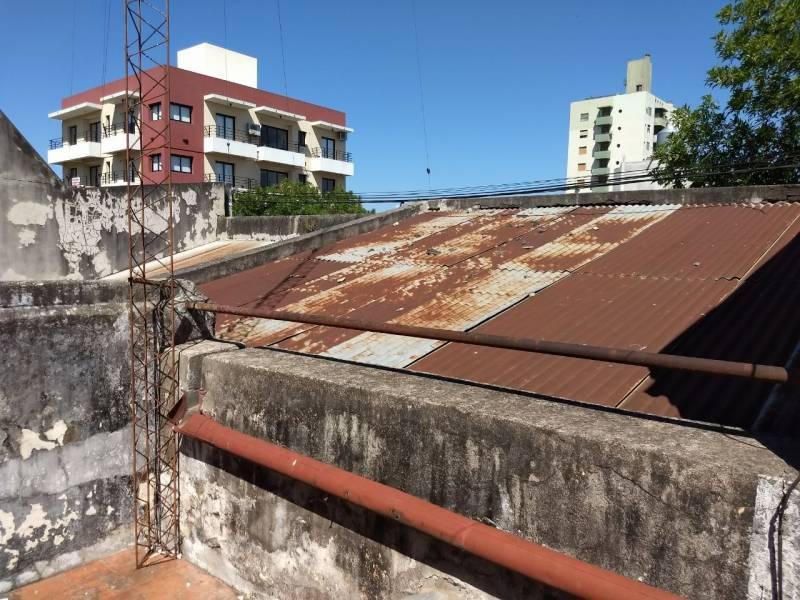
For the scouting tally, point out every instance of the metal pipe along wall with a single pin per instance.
(541, 564)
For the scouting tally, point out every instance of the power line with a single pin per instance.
(283, 56)
(539, 186)
(72, 53)
(421, 94)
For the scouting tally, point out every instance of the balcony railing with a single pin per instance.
(88, 136)
(116, 177)
(229, 133)
(238, 182)
(118, 128)
(332, 154)
(244, 135)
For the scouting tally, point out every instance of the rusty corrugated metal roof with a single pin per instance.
(660, 278)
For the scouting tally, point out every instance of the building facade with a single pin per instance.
(223, 128)
(609, 134)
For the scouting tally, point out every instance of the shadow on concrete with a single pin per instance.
(355, 555)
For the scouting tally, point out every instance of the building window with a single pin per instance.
(328, 148)
(584, 133)
(302, 178)
(638, 87)
(73, 173)
(648, 110)
(581, 166)
(647, 145)
(226, 125)
(301, 140)
(155, 162)
(274, 137)
(180, 164)
(270, 178)
(180, 112)
(328, 185)
(155, 111)
(72, 134)
(647, 128)
(584, 116)
(225, 172)
(582, 150)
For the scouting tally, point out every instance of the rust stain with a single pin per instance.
(640, 277)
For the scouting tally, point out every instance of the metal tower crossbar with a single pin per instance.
(152, 284)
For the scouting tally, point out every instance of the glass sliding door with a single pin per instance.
(224, 172)
(226, 126)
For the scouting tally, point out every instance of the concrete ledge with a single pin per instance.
(266, 228)
(754, 193)
(650, 499)
(253, 258)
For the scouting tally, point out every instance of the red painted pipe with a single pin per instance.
(532, 560)
(652, 360)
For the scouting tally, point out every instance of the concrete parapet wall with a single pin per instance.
(278, 227)
(52, 231)
(679, 506)
(64, 427)
(215, 269)
(753, 193)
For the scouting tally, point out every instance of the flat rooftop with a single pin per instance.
(116, 577)
(715, 281)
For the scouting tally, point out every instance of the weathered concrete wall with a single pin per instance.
(52, 231)
(681, 507)
(64, 426)
(754, 193)
(278, 227)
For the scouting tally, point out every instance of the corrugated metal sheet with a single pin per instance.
(197, 256)
(625, 312)
(698, 242)
(682, 280)
(472, 291)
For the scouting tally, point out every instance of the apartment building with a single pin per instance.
(223, 128)
(614, 136)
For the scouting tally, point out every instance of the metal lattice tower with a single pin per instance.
(152, 285)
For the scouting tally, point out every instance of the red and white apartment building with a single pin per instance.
(223, 129)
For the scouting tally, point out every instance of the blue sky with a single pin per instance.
(498, 76)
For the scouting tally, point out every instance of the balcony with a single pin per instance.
(602, 137)
(603, 120)
(231, 142)
(659, 122)
(116, 138)
(80, 147)
(117, 178)
(338, 162)
(294, 155)
(601, 154)
(600, 170)
(244, 183)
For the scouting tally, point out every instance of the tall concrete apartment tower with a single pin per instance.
(615, 135)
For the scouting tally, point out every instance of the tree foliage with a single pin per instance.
(292, 198)
(759, 128)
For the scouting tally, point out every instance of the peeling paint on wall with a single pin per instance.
(30, 213)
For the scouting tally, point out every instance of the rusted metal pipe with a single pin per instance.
(652, 360)
(541, 564)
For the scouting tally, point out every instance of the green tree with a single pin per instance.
(759, 50)
(292, 198)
